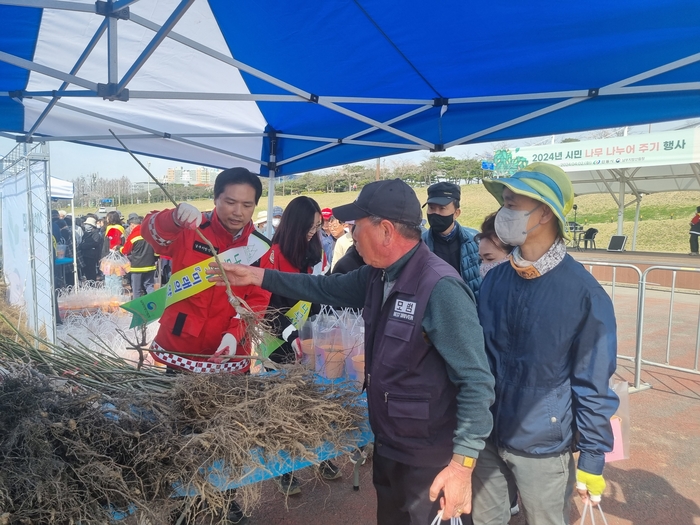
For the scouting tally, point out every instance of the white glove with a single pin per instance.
(296, 345)
(187, 216)
(226, 350)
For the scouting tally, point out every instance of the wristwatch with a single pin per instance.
(465, 461)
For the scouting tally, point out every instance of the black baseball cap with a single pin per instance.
(389, 199)
(443, 193)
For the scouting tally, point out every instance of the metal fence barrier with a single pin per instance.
(637, 359)
(642, 283)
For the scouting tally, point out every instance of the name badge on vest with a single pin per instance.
(404, 310)
(203, 248)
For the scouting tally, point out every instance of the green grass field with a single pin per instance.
(663, 225)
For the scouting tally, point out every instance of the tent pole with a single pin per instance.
(75, 248)
(621, 206)
(636, 224)
(270, 203)
(272, 167)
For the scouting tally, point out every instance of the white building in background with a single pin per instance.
(199, 176)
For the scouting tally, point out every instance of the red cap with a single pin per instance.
(326, 213)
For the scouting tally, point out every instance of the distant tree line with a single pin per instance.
(90, 190)
(354, 177)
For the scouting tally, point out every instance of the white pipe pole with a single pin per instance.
(621, 206)
(636, 224)
(75, 248)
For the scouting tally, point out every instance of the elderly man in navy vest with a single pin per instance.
(428, 382)
(551, 340)
(448, 239)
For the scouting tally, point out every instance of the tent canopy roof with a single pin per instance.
(61, 189)
(301, 85)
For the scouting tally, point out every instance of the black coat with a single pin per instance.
(91, 246)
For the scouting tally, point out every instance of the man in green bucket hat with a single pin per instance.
(550, 335)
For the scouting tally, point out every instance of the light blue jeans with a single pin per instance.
(545, 482)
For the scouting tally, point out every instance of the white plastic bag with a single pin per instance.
(114, 263)
(353, 333)
(328, 344)
(453, 520)
(588, 511)
(306, 334)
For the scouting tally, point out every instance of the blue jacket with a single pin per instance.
(328, 243)
(552, 347)
(469, 266)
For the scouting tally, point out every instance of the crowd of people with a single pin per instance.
(480, 384)
(94, 239)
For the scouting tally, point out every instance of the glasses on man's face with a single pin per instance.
(315, 228)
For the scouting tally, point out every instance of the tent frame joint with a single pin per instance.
(107, 9)
(593, 92)
(440, 101)
(313, 98)
(111, 91)
(17, 93)
(24, 139)
(437, 148)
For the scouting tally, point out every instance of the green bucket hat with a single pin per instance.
(542, 182)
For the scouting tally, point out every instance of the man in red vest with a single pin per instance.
(206, 324)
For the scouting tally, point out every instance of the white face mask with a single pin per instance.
(275, 223)
(511, 225)
(484, 267)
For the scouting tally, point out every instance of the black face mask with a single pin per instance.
(439, 223)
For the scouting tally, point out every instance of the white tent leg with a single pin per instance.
(636, 223)
(75, 248)
(621, 207)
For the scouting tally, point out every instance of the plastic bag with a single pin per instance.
(453, 520)
(328, 344)
(339, 343)
(588, 511)
(354, 343)
(620, 424)
(114, 263)
(61, 250)
(306, 335)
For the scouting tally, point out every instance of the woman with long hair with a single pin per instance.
(114, 233)
(296, 248)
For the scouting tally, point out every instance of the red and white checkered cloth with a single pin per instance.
(199, 367)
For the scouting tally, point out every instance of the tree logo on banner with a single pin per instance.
(504, 164)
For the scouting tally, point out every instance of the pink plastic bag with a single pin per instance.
(620, 424)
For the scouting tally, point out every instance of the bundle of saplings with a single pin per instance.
(86, 436)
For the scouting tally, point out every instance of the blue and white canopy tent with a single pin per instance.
(287, 87)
